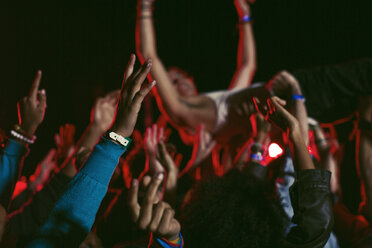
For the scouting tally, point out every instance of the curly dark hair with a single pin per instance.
(232, 211)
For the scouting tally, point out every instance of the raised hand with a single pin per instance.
(131, 97)
(152, 138)
(31, 109)
(103, 112)
(285, 84)
(43, 170)
(65, 142)
(203, 146)
(242, 7)
(152, 215)
(273, 111)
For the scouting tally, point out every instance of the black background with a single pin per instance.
(83, 47)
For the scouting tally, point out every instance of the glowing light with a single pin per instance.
(275, 150)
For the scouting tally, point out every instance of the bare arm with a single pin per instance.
(182, 111)
(246, 63)
(276, 113)
(286, 85)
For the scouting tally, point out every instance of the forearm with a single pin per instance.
(10, 166)
(246, 58)
(145, 31)
(74, 213)
(301, 156)
(312, 205)
(167, 97)
(90, 137)
(299, 111)
(365, 164)
(28, 217)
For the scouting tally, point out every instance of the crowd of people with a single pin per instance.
(283, 163)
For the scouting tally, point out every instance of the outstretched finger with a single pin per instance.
(202, 137)
(134, 207)
(41, 97)
(138, 98)
(165, 157)
(259, 107)
(129, 69)
(35, 86)
(154, 134)
(149, 200)
(140, 77)
(278, 100)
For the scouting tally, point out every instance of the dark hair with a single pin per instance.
(232, 211)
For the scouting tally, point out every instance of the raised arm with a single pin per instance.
(246, 58)
(182, 111)
(285, 85)
(74, 213)
(31, 111)
(310, 195)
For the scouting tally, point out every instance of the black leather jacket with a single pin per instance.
(313, 214)
(312, 205)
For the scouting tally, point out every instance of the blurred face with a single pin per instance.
(183, 84)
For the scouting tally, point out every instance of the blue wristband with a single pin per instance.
(245, 19)
(257, 156)
(298, 97)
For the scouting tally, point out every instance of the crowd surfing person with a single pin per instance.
(97, 193)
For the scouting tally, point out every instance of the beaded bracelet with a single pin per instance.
(22, 137)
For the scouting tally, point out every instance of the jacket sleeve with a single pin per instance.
(74, 213)
(10, 166)
(27, 220)
(312, 205)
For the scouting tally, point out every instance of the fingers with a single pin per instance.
(164, 226)
(154, 137)
(50, 156)
(145, 182)
(41, 97)
(138, 98)
(129, 69)
(278, 100)
(140, 76)
(146, 209)
(165, 158)
(161, 135)
(134, 207)
(259, 107)
(148, 136)
(158, 215)
(202, 137)
(35, 86)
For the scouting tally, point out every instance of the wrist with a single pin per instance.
(294, 132)
(121, 131)
(28, 130)
(245, 18)
(97, 129)
(296, 90)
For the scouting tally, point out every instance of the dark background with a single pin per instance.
(83, 47)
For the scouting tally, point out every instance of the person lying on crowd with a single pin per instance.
(74, 213)
(176, 94)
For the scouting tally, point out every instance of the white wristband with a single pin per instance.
(120, 139)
